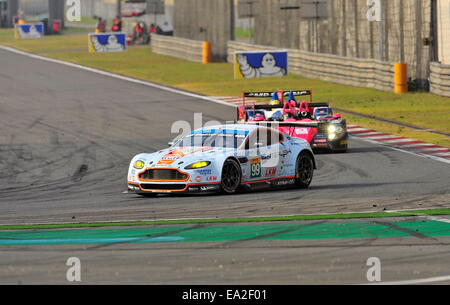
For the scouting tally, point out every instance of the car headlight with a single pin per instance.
(331, 136)
(335, 129)
(139, 164)
(196, 165)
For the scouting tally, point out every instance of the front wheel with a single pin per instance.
(304, 170)
(231, 176)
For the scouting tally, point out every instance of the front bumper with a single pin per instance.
(321, 141)
(172, 188)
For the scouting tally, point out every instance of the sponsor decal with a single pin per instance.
(211, 178)
(255, 160)
(301, 131)
(271, 171)
(260, 64)
(204, 172)
(174, 155)
(208, 188)
(284, 153)
(285, 182)
(29, 30)
(255, 170)
(165, 162)
(266, 157)
(107, 42)
(198, 179)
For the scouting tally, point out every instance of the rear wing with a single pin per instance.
(284, 124)
(269, 94)
(271, 107)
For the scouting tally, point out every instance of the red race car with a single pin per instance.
(313, 122)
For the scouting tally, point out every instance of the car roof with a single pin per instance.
(229, 127)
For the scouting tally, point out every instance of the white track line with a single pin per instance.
(431, 148)
(373, 133)
(121, 77)
(415, 153)
(383, 137)
(415, 282)
(442, 154)
(435, 218)
(358, 129)
(398, 141)
(419, 144)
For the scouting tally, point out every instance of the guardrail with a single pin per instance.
(178, 47)
(440, 79)
(343, 70)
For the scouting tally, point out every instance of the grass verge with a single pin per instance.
(421, 109)
(433, 212)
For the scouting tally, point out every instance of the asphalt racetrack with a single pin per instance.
(66, 139)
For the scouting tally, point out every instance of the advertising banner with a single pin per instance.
(107, 42)
(29, 30)
(260, 64)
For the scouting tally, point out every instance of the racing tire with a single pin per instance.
(231, 177)
(304, 170)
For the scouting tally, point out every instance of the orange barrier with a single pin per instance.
(400, 77)
(207, 52)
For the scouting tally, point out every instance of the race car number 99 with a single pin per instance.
(256, 170)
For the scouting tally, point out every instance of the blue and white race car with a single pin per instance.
(223, 159)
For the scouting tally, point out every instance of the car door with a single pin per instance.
(274, 155)
(264, 152)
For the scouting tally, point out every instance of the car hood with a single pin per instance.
(171, 157)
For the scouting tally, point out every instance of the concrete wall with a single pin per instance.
(275, 27)
(8, 15)
(347, 32)
(359, 72)
(440, 79)
(100, 8)
(217, 16)
(178, 47)
(443, 28)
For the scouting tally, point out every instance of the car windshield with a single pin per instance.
(253, 113)
(323, 112)
(222, 140)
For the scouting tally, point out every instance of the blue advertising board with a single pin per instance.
(260, 64)
(29, 30)
(107, 42)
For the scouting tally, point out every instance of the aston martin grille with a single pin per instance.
(163, 174)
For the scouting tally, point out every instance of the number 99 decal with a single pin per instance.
(256, 170)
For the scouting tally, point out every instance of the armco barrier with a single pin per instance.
(440, 79)
(343, 70)
(178, 47)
